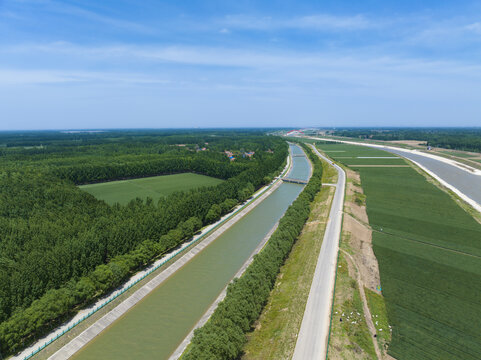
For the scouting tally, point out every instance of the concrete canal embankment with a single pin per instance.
(158, 323)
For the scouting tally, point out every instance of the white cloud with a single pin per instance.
(63, 8)
(474, 27)
(241, 69)
(317, 22)
(329, 22)
(10, 77)
(224, 31)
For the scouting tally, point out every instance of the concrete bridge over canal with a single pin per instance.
(294, 181)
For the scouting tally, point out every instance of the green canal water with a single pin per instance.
(301, 168)
(157, 325)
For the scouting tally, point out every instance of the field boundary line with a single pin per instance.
(337, 258)
(313, 336)
(63, 329)
(367, 311)
(95, 329)
(426, 243)
(458, 192)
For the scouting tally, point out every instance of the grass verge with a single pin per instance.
(377, 306)
(350, 336)
(275, 333)
(429, 257)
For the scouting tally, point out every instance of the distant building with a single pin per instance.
(230, 155)
(294, 133)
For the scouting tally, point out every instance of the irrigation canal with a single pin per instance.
(465, 182)
(158, 324)
(469, 184)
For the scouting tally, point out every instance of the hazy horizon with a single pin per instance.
(267, 128)
(217, 64)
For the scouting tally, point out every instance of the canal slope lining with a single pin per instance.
(90, 310)
(95, 329)
(181, 348)
(473, 203)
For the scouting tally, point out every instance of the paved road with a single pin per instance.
(181, 348)
(313, 335)
(240, 211)
(468, 183)
(455, 176)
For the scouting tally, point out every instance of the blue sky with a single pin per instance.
(126, 63)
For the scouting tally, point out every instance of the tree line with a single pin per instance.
(467, 139)
(61, 248)
(224, 335)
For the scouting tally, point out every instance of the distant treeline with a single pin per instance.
(456, 139)
(224, 335)
(61, 248)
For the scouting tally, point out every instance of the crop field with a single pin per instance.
(360, 155)
(429, 254)
(154, 187)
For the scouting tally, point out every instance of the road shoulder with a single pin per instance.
(276, 330)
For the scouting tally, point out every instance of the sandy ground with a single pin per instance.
(363, 265)
(473, 160)
(379, 166)
(415, 143)
(313, 334)
(354, 272)
(356, 223)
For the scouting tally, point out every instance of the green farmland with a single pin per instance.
(154, 187)
(429, 254)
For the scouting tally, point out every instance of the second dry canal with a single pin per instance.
(157, 325)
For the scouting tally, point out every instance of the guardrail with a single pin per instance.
(168, 258)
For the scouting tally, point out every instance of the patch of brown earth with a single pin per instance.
(357, 275)
(352, 188)
(416, 143)
(378, 166)
(360, 242)
(356, 223)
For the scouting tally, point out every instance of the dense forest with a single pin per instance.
(224, 335)
(60, 248)
(456, 139)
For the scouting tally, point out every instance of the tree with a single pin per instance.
(213, 214)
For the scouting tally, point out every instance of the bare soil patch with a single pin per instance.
(356, 223)
(379, 166)
(415, 143)
(360, 243)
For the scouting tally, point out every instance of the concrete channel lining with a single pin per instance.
(85, 313)
(42, 343)
(95, 329)
(402, 152)
(181, 348)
